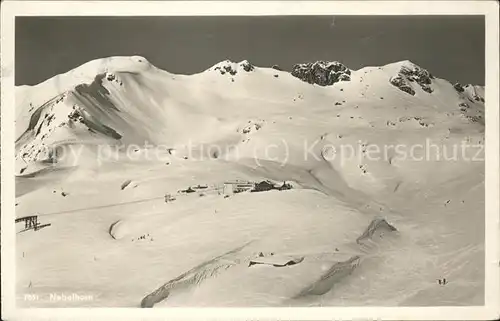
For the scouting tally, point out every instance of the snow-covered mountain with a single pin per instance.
(128, 100)
(359, 229)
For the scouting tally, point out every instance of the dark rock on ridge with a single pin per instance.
(322, 73)
(413, 74)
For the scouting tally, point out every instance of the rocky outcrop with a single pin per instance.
(402, 84)
(420, 75)
(427, 88)
(413, 74)
(458, 87)
(276, 67)
(225, 69)
(478, 98)
(475, 118)
(247, 66)
(463, 107)
(228, 67)
(110, 76)
(473, 94)
(322, 73)
(76, 115)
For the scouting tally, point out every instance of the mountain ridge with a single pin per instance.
(97, 66)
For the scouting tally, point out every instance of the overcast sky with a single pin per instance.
(450, 47)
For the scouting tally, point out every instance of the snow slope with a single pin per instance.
(98, 148)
